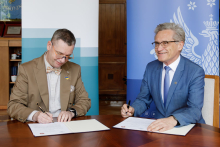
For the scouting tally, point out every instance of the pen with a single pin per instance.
(42, 110)
(128, 104)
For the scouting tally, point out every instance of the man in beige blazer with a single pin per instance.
(60, 95)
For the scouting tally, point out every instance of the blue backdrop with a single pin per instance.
(199, 19)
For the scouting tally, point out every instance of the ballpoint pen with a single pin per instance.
(42, 110)
(128, 104)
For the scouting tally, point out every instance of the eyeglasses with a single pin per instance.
(163, 44)
(61, 55)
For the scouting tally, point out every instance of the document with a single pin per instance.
(78, 126)
(141, 124)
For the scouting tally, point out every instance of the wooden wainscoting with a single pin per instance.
(112, 48)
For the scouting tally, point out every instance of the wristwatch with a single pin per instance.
(73, 111)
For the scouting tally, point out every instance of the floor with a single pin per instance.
(110, 107)
(105, 108)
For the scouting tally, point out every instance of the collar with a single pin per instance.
(173, 65)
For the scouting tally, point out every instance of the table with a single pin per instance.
(17, 134)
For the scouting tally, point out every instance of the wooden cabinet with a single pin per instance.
(112, 49)
(7, 47)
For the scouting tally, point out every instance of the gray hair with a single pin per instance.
(65, 35)
(179, 33)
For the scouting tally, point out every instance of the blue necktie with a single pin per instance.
(166, 83)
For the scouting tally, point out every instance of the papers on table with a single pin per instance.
(77, 126)
(141, 124)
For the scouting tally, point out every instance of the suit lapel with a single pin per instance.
(65, 78)
(158, 75)
(177, 76)
(41, 78)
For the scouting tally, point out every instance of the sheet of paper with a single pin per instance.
(49, 129)
(141, 124)
(77, 126)
(89, 125)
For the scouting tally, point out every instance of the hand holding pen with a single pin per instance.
(42, 116)
(127, 110)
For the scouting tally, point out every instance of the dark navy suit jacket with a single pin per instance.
(185, 96)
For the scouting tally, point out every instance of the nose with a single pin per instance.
(63, 60)
(160, 47)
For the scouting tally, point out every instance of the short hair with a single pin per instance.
(65, 35)
(179, 33)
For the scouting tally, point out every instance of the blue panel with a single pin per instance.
(29, 54)
(76, 52)
(90, 80)
(35, 42)
(33, 48)
(85, 61)
(38, 33)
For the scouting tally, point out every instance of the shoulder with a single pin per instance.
(31, 64)
(192, 69)
(191, 66)
(73, 65)
(154, 64)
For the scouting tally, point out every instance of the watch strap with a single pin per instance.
(73, 111)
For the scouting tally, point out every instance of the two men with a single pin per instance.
(174, 83)
(52, 82)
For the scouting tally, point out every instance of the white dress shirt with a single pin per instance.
(53, 82)
(173, 67)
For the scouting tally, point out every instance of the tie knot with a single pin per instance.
(56, 70)
(167, 68)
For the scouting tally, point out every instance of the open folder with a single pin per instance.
(78, 126)
(141, 124)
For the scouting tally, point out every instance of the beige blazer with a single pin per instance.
(31, 88)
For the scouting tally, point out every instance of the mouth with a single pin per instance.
(161, 53)
(59, 63)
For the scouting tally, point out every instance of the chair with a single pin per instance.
(210, 110)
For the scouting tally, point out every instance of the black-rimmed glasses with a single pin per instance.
(163, 44)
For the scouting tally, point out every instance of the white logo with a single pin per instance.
(211, 2)
(192, 5)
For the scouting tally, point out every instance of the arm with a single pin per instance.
(144, 98)
(17, 105)
(192, 113)
(82, 102)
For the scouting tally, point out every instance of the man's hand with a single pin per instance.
(125, 112)
(65, 116)
(162, 124)
(42, 117)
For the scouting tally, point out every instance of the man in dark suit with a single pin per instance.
(174, 83)
(51, 81)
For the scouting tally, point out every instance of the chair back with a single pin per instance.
(210, 110)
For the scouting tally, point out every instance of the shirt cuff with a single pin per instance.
(30, 117)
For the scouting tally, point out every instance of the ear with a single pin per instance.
(49, 45)
(180, 45)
